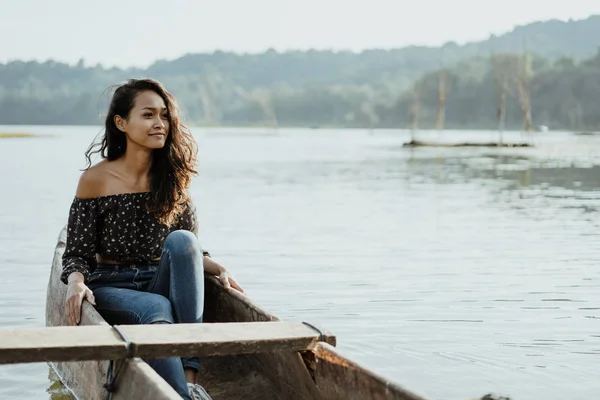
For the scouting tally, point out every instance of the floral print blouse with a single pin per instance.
(118, 227)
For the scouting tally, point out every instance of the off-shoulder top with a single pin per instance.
(118, 227)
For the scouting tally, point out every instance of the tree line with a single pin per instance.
(553, 80)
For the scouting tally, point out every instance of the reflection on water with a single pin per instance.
(454, 272)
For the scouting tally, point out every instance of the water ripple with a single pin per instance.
(475, 269)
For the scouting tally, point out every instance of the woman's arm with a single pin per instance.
(79, 257)
(214, 268)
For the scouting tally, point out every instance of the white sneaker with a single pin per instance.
(197, 392)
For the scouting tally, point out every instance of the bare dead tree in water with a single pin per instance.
(263, 99)
(208, 107)
(208, 85)
(442, 90)
(415, 109)
(502, 67)
(523, 92)
(368, 108)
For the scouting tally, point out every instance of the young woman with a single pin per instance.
(132, 248)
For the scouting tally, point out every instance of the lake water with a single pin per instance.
(453, 272)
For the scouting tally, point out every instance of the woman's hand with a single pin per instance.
(214, 268)
(76, 292)
(228, 282)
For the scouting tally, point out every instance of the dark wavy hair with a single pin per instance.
(172, 166)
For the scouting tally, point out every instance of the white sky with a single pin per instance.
(136, 33)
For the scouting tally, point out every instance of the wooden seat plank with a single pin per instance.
(221, 339)
(81, 343)
(60, 343)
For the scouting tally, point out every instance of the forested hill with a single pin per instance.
(551, 39)
(323, 87)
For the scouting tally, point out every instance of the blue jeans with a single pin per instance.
(166, 292)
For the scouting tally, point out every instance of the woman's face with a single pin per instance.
(148, 124)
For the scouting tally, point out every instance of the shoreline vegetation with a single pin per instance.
(548, 81)
(15, 135)
(410, 144)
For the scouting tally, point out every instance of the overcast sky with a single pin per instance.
(136, 33)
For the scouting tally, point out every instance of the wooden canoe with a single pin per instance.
(321, 373)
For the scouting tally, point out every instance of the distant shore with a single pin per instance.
(266, 125)
(12, 135)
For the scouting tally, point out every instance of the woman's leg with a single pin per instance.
(126, 307)
(180, 278)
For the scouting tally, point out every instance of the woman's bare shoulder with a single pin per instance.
(93, 181)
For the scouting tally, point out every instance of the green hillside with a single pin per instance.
(307, 88)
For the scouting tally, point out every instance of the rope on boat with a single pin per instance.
(321, 335)
(111, 375)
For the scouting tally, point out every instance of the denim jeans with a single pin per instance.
(165, 292)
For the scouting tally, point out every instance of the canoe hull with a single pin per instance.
(322, 374)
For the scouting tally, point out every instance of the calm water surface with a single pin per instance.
(453, 272)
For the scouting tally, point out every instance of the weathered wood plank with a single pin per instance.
(218, 339)
(80, 343)
(338, 378)
(60, 343)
